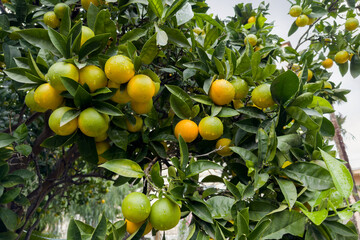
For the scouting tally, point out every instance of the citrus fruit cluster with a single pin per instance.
(162, 215)
(302, 19)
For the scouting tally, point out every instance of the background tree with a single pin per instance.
(204, 94)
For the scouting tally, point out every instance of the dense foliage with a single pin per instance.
(277, 177)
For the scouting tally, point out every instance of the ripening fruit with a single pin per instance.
(30, 102)
(51, 20)
(93, 76)
(187, 129)
(86, 3)
(311, 21)
(287, 163)
(121, 96)
(136, 207)
(223, 144)
(60, 9)
(102, 147)
(48, 97)
(119, 69)
(55, 119)
(327, 85)
(211, 128)
(261, 96)
(101, 138)
(251, 38)
(141, 107)
(351, 24)
(164, 214)
(134, 127)
(327, 63)
(309, 76)
(199, 31)
(251, 19)
(86, 34)
(59, 70)
(222, 92)
(141, 88)
(238, 104)
(341, 57)
(295, 11)
(241, 88)
(302, 21)
(92, 123)
(133, 227)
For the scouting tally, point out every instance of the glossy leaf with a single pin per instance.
(73, 232)
(149, 50)
(200, 210)
(124, 167)
(155, 175)
(6, 139)
(157, 7)
(288, 189)
(284, 87)
(39, 37)
(317, 217)
(9, 218)
(201, 166)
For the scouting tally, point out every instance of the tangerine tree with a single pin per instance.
(161, 92)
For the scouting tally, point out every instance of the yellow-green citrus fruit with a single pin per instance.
(211, 128)
(55, 119)
(133, 227)
(295, 11)
(251, 38)
(141, 88)
(30, 102)
(164, 214)
(241, 88)
(199, 31)
(222, 92)
(141, 107)
(62, 69)
(119, 69)
(121, 96)
(223, 144)
(302, 21)
(86, 3)
(261, 96)
(86, 34)
(102, 147)
(92, 123)
(341, 57)
(134, 127)
(238, 103)
(327, 63)
(309, 76)
(287, 163)
(60, 9)
(51, 20)
(101, 138)
(93, 76)
(327, 85)
(295, 67)
(157, 87)
(187, 129)
(136, 207)
(311, 21)
(251, 19)
(351, 24)
(48, 97)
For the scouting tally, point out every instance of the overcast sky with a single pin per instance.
(279, 14)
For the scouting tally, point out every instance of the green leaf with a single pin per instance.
(68, 116)
(343, 68)
(70, 85)
(293, 29)
(176, 6)
(87, 148)
(311, 175)
(73, 232)
(211, 37)
(59, 42)
(18, 75)
(11, 181)
(119, 138)
(157, 7)
(91, 16)
(260, 180)
(318, 12)
(124, 167)
(245, 154)
(288, 189)
(340, 174)
(300, 115)
(200, 210)
(220, 207)
(6, 139)
(10, 195)
(100, 231)
(94, 45)
(180, 107)
(149, 50)
(303, 100)
(327, 128)
(177, 37)
(184, 153)
(259, 230)
(253, 112)
(316, 217)
(9, 218)
(338, 230)
(204, 99)
(59, 141)
(284, 87)
(324, 105)
(233, 189)
(23, 149)
(65, 23)
(201, 166)
(104, 24)
(155, 175)
(259, 209)
(21, 132)
(179, 93)
(185, 14)
(82, 98)
(133, 35)
(107, 108)
(355, 66)
(210, 20)
(34, 67)
(39, 37)
(285, 222)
